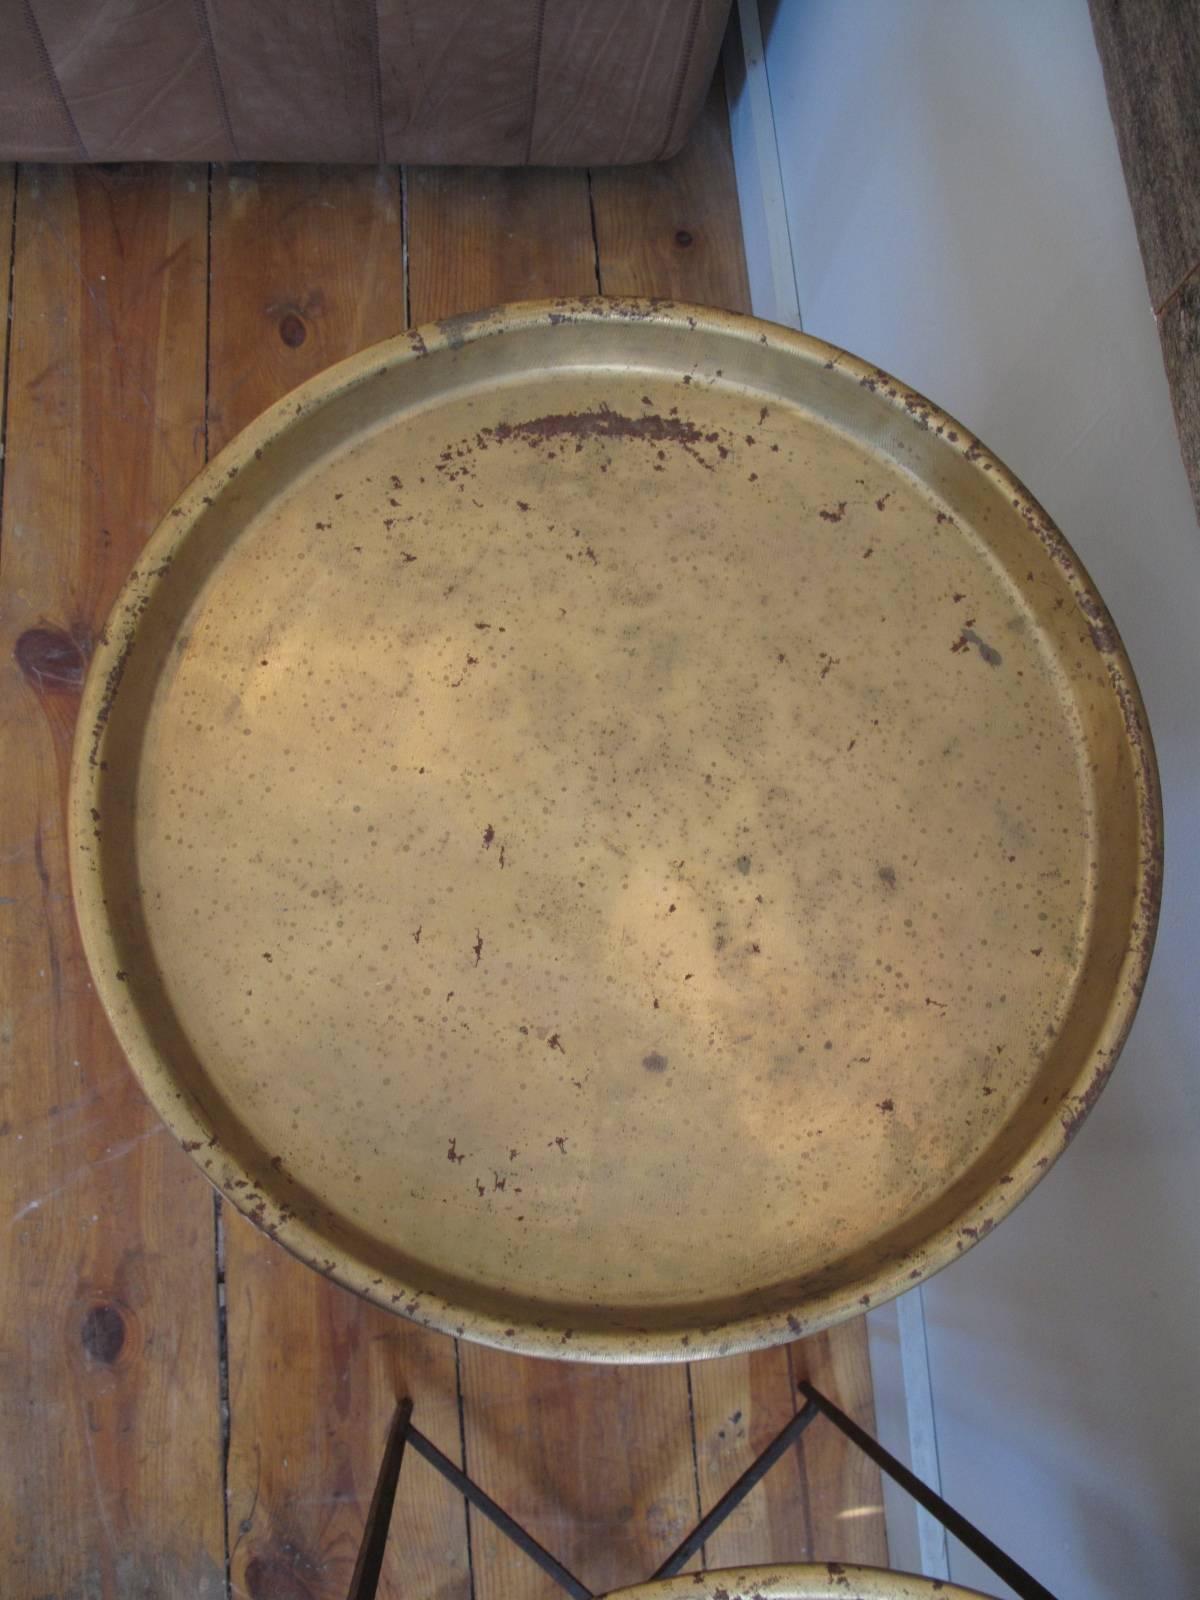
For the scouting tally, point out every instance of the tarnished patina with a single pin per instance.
(615, 830)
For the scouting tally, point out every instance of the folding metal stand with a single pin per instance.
(402, 1432)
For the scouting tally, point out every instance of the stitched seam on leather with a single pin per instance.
(677, 96)
(539, 34)
(200, 8)
(55, 85)
(380, 143)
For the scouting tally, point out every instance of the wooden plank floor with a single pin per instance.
(186, 1410)
(110, 1466)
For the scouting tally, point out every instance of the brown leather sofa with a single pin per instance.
(472, 82)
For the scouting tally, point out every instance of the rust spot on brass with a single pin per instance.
(578, 427)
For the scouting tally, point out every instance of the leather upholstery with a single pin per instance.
(471, 82)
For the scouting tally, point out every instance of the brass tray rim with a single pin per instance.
(239, 1186)
(823, 1580)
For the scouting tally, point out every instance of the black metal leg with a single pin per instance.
(484, 1502)
(370, 1557)
(379, 1518)
(953, 1521)
(733, 1497)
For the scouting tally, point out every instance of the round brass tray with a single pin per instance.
(826, 1581)
(615, 830)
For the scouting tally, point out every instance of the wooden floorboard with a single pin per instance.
(845, 1497)
(109, 1407)
(674, 228)
(595, 1461)
(480, 236)
(741, 1403)
(307, 267)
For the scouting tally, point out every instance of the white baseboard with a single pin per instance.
(769, 258)
(904, 1425)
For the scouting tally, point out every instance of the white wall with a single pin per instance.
(957, 213)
